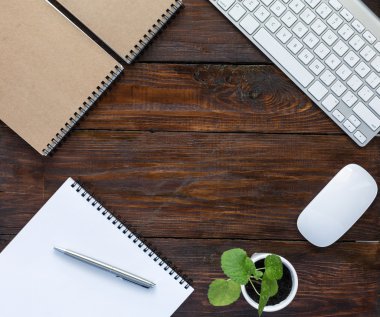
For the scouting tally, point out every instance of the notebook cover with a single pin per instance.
(124, 25)
(49, 69)
(37, 281)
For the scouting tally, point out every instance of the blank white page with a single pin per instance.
(37, 281)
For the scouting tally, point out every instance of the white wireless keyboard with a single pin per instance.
(329, 48)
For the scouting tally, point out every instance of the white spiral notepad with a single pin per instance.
(37, 281)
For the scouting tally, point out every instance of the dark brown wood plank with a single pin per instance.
(21, 182)
(341, 280)
(325, 284)
(172, 97)
(201, 34)
(193, 185)
(207, 98)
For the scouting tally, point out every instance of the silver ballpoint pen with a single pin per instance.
(118, 272)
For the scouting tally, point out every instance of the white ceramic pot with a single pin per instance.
(272, 308)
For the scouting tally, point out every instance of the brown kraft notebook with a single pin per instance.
(52, 72)
(126, 26)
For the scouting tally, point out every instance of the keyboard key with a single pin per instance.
(278, 8)
(375, 105)
(330, 102)
(300, 29)
(289, 19)
(355, 121)
(334, 21)
(377, 46)
(318, 26)
(354, 82)
(284, 35)
(338, 88)
(328, 77)
(249, 24)
(351, 58)
(313, 3)
(365, 93)
(262, 14)
(251, 4)
(296, 6)
(295, 46)
(318, 90)
(376, 63)
(324, 10)
(368, 53)
(344, 72)
(283, 57)
(225, 4)
(308, 16)
(346, 32)
(329, 37)
(349, 126)
(237, 12)
(340, 48)
(311, 40)
(360, 136)
(306, 56)
(346, 15)
(357, 42)
(316, 67)
(333, 61)
(358, 26)
(322, 51)
(373, 80)
(267, 2)
(338, 115)
(349, 99)
(335, 4)
(362, 69)
(367, 116)
(369, 37)
(273, 24)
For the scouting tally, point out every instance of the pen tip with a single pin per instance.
(59, 249)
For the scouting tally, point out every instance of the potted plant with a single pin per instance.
(268, 282)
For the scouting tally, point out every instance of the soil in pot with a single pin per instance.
(284, 287)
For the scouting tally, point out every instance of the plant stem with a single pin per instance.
(256, 280)
(254, 287)
(260, 269)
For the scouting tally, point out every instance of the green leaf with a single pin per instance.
(272, 287)
(269, 288)
(262, 302)
(273, 267)
(237, 265)
(223, 292)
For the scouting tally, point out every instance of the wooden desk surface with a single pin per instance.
(204, 145)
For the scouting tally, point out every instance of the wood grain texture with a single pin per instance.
(21, 181)
(173, 97)
(201, 34)
(338, 281)
(209, 185)
(208, 98)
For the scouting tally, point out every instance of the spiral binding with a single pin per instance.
(82, 110)
(156, 28)
(142, 244)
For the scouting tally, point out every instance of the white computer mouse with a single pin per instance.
(338, 206)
